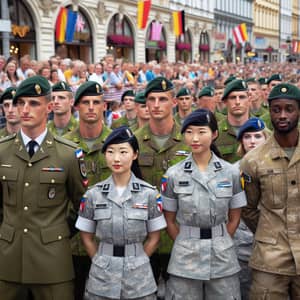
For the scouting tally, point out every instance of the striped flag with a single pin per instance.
(143, 13)
(61, 23)
(178, 22)
(240, 33)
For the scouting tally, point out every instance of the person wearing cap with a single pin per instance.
(125, 213)
(184, 101)
(11, 113)
(142, 112)
(161, 146)
(264, 90)
(238, 110)
(39, 174)
(89, 136)
(252, 134)
(63, 101)
(129, 119)
(272, 185)
(202, 201)
(220, 105)
(272, 81)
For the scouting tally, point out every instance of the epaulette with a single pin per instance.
(65, 141)
(8, 138)
(146, 184)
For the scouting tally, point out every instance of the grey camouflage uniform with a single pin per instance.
(121, 221)
(202, 200)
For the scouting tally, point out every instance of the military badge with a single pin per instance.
(85, 182)
(244, 84)
(247, 178)
(51, 193)
(242, 180)
(164, 85)
(82, 168)
(187, 165)
(82, 203)
(135, 186)
(217, 165)
(13, 93)
(159, 203)
(63, 85)
(78, 153)
(38, 89)
(164, 183)
(283, 90)
(97, 89)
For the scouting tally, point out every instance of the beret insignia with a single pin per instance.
(63, 85)
(13, 93)
(97, 88)
(38, 89)
(164, 85)
(283, 90)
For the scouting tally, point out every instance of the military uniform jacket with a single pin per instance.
(4, 133)
(121, 220)
(272, 185)
(124, 121)
(34, 235)
(73, 123)
(227, 142)
(202, 200)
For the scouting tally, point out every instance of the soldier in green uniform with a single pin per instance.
(63, 100)
(238, 108)
(129, 119)
(161, 145)
(142, 112)
(13, 121)
(273, 80)
(39, 173)
(265, 91)
(89, 136)
(184, 100)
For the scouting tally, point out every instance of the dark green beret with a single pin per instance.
(262, 80)
(121, 135)
(34, 86)
(61, 87)
(128, 93)
(89, 88)
(8, 94)
(251, 79)
(157, 85)
(237, 85)
(229, 79)
(284, 91)
(140, 98)
(207, 91)
(183, 92)
(276, 77)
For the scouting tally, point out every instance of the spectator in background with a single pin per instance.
(54, 76)
(24, 66)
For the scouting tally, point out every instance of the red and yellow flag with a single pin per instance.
(178, 22)
(61, 23)
(143, 13)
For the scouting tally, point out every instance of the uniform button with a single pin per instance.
(29, 164)
(59, 237)
(25, 207)
(3, 177)
(26, 184)
(293, 182)
(52, 180)
(25, 230)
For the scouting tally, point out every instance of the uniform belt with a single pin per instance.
(134, 249)
(201, 233)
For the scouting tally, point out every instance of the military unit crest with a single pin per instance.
(38, 89)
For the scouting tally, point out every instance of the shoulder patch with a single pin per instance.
(8, 138)
(65, 141)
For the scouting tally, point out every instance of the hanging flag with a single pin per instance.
(295, 46)
(156, 29)
(178, 22)
(61, 23)
(240, 33)
(298, 50)
(143, 13)
(71, 23)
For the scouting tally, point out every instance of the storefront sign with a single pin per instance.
(21, 31)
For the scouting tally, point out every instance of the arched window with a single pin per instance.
(120, 41)
(156, 45)
(184, 47)
(204, 47)
(22, 37)
(80, 45)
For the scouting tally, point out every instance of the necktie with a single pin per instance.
(31, 145)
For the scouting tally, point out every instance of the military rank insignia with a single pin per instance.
(164, 183)
(159, 203)
(51, 193)
(244, 178)
(82, 203)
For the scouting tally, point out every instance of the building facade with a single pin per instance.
(266, 29)
(229, 14)
(285, 36)
(111, 27)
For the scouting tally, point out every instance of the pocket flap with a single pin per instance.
(102, 213)
(137, 213)
(8, 174)
(55, 233)
(7, 232)
(263, 237)
(183, 187)
(52, 177)
(146, 159)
